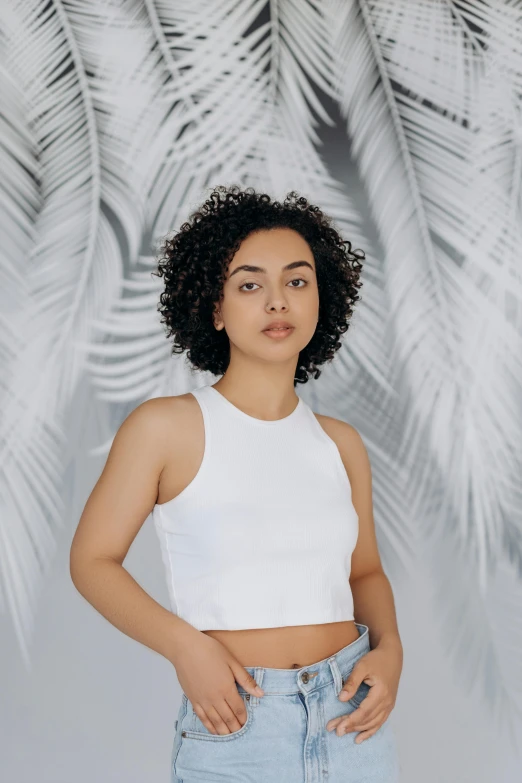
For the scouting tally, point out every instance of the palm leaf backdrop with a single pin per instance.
(118, 118)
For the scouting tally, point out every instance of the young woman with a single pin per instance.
(282, 632)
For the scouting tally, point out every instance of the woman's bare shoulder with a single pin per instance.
(174, 418)
(167, 410)
(151, 438)
(180, 425)
(157, 408)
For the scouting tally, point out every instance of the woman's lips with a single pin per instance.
(278, 334)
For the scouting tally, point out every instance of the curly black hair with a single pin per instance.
(194, 264)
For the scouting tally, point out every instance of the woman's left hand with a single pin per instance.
(381, 670)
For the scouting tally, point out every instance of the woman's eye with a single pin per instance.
(296, 280)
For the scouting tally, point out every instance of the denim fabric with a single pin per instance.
(284, 738)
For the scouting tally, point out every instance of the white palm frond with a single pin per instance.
(70, 276)
(20, 201)
(408, 104)
(461, 127)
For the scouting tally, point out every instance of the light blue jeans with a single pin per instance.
(284, 738)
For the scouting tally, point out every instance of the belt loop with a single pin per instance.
(258, 677)
(337, 676)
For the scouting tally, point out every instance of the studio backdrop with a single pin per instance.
(402, 119)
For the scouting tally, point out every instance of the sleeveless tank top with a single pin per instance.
(264, 533)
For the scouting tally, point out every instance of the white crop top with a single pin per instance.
(264, 533)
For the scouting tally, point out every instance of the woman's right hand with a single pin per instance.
(207, 673)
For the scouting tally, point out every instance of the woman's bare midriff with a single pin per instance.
(287, 647)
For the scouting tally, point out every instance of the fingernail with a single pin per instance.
(259, 691)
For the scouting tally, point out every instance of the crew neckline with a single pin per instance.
(239, 412)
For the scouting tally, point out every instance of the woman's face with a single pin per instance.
(279, 284)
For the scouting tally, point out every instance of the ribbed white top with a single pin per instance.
(263, 535)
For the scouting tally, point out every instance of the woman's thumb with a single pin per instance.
(245, 679)
(352, 683)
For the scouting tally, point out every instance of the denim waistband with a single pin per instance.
(315, 675)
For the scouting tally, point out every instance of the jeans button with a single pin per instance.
(305, 677)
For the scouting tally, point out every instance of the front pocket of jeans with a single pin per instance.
(193, 728)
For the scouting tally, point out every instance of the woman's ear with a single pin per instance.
(218, 323)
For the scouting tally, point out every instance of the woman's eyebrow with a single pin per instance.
(251, 268)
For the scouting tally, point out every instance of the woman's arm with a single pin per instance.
(374, 606)
(373, 600)
(121, 501)
(116, 509)
(372, 594)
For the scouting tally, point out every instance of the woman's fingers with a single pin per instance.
(371, 706)
(223, 718)
(364, 714)
(366, 727)
(369, 731)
